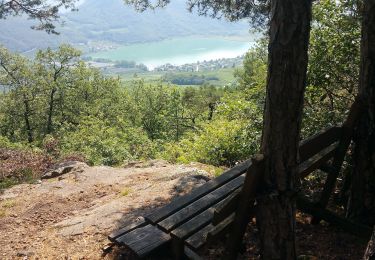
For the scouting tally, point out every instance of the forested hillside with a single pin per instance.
(57, 104)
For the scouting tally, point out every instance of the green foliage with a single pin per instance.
(20, 175)
(333, 64)
(5, 143)
(8, 182)
(125, 192)
(60, 104)
(221, 142)
(45, 12)
(105, 144)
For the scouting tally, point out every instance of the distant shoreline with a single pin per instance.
(177, 50)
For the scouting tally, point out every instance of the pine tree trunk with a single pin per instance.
(370, 251)
(287, 66)
(362, 198)
(26, 116)
(51, 105)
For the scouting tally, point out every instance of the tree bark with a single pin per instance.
(370, 251)
(286, 82)
(361, 206)
(26, 116)
(51, 104)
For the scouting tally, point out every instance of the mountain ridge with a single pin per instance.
(112, 22)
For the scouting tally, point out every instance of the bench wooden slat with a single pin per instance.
(138, 222)
(142, 241)
(200, 205)
(197, 193)
(197, 240)
(221, 228)
(315, 161)
(228, 206)
(317, 142)
(306, 206)
(196, 223)
(193, 224)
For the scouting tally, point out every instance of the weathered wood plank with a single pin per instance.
(220, 229)
(346, 137)
(317, 142)
(138, 222)
(143, 241)
(200, 205)
(226, 208)
(196, 223)
(313, 163)
(193, 224)
(308, 207)
(197, 193)
(197, 240)
(334, 172)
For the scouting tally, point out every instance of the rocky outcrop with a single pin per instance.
(63, 168)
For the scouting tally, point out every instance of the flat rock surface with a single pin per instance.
(69, 217)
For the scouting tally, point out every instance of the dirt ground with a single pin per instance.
(69, 217)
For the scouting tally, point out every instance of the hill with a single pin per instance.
(112, 22)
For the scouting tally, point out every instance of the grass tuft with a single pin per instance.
(125, 192)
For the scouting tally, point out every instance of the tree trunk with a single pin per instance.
(26, 116)
(286, 82)
(361, 206)
(51, 105)
(211, 107)
(370, 251)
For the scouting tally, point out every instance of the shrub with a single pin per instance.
(220, 142)
(107, 145)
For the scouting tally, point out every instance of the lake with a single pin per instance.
(178, 51)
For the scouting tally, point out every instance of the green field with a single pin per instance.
(224, 76)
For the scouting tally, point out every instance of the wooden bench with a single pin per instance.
(189, 222)
(195, 210)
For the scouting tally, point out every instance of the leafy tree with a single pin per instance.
(54, 69)
(18, 76)
(106, 144)
(46, 12)
(220, 142)
(333, 64)
(54, 90)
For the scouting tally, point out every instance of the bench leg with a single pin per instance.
(334, 172)
(178, 249)
(244, 210)
(190, 254)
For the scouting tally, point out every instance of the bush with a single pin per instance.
(220, 142)
(6, 144)
(22, 165)
(107, 145)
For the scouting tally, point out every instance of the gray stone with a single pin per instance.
(25, 253)
(63, 168)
